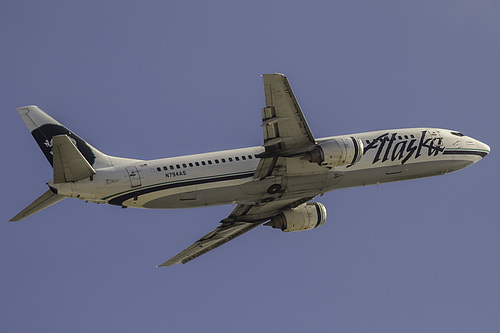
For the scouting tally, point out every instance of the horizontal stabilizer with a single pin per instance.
(47, 199)
(68, 162)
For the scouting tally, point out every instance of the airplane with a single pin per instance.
(272, 184)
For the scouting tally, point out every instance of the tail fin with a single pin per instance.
(72, 158)
(44, 128)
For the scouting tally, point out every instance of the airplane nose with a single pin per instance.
(483, 148)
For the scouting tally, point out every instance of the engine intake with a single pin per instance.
(304, 217)
(337, 152)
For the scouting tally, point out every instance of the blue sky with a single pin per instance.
(154, 79)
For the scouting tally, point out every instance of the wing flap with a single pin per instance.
(286, 132)
(282, 118)
(265, 167)
(263, 211)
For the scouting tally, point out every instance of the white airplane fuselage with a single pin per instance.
(226, 177)
(272, 184)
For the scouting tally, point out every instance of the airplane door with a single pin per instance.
(437, 141)
(435, 135)
(135, 178)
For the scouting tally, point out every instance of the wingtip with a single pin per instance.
(166, 264)
(26, 108)
(18, 218)
(279, 74)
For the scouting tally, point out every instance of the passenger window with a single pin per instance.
(191, 165)
(159, 169)
(217, 161)
(237, 158)
(203, 163)
(230, 159)
(178, 166)
(223, 160)
(196, 163)
(184, 165)
(165, 168)
(171, 167)
(249, 157)
(243, 157)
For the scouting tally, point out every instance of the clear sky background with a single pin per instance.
(152, 79)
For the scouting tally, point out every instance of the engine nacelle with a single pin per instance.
(304, 217)
(337, 152)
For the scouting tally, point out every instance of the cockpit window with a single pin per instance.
(457, 133)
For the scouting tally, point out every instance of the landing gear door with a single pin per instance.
(135, 178)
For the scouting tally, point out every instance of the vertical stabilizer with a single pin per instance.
(43, 128)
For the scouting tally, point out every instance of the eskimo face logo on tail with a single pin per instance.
(50, 144)
(43, 136)
(403, 150)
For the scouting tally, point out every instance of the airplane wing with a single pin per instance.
(243, 219)
(286, 132)
(217, 237)
(283, 122)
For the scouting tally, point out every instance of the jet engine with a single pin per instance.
(304, 217)
(337, 152)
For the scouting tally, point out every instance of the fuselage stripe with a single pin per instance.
(172, 182)
(118, 201)
(481, 153)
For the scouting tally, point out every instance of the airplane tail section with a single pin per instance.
(71, 157)
(44, 128)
